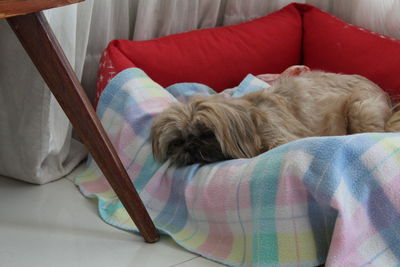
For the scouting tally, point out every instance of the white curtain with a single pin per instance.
(35, 136)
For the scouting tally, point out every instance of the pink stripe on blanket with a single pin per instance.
(291, 191)
(220, 200)
(392, 190)
(97, 186)
(124, 138)
(219, 241)
(155, 105)
(350, 232)
(159, 187)
(219, 194)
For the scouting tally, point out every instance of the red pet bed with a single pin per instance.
(221, 57)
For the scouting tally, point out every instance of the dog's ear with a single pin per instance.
(159, 151)
(166, 127)
(236, 130)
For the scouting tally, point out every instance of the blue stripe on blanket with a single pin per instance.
(110, 91)
(174, 214)
(345, 150)
(378, 207)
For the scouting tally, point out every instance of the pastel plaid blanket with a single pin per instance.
(333, 200)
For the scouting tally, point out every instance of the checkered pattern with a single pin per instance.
(316, 200)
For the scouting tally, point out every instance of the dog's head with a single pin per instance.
(205, 130)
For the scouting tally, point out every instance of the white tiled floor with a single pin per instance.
(54, 225)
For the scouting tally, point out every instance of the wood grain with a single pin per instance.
(40, 43)
(11, 8)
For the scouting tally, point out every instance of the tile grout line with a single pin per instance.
(184, 261)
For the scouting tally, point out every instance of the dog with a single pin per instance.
(310, 103)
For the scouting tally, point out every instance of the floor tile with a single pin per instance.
(54, 225)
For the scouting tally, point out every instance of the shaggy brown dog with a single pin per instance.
(211, 129)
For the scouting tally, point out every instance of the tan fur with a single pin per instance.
(311, 104)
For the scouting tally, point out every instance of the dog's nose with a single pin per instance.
(191, 148)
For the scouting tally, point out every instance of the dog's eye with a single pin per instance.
(207, 135)
(177, 142)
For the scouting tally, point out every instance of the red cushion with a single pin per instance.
(221, 57)
(333, 45)
(111, 63)
(218, 57)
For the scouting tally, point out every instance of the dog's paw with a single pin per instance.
(295, 70)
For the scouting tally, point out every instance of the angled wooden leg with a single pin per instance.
(40, 43)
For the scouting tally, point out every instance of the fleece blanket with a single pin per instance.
(332, 200)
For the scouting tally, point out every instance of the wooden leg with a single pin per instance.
(40, 43)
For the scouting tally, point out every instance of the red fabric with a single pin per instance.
(218, 57)
(111, 63)
(221, 57)
(331, 44)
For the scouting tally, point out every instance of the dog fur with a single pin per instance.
(210, 129)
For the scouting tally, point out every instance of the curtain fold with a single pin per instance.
(35, 135)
